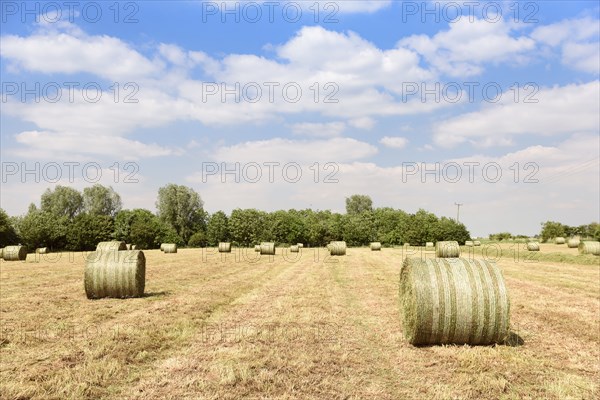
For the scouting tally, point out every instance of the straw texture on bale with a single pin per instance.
(573, 243)
(294, 249)
(559, 240)
(114, 245)
(32, 258)
(337, 249)
(267, 248)
(257, 248)
(170, 248)
(453, 301)
(42, 250)
(585, 247)
(447, 249)
(375, 246)
(117, 274)
(224, 247)
(469, 243)
(533, 246)
(300, 245)
(162, 246)
(14, 253)
(476, 243)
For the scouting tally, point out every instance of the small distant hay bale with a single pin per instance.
(117, 274)
(42, 250)
(533, 246)
(170, 248)
(128, 246)
(469, 243)
(300, 245)
(573, 243)
(267, 248)
(162, 246)
(585, 247)
(294, 249)
(476, 243)
(375, 246)
(429, 246)
(257, 248)
(447, 249)
(559, 240)
(114, 245)
(337, 248)
(32, 258)
(14, 253)
(407, 244)
(133, 247)
(453, 301)
(224, 247)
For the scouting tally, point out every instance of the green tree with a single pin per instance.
(43, 229)
(86, 230)
(358, 203)
(8, 234)
(140, 227)
(182, 208)
(63, 201)
(217, 228)
(552, 229)
(101, 200)
(246, 227)
(421, 228)
(358, 229)
(198, 239)
(390, 225)
(449, 229)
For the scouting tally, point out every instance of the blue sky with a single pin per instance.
(372, 57)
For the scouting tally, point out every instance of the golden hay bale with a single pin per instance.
(476, 243)
(429, 246)
(14, 253)
(533, 246)
(170, 248)
(453, 300)
(162, 246)
(133, 247)
(585, 247)
(375, 246)
(573, 243)
(128, 246)
(300, 245)
(559, 240)
(32, 258)
(447, 249)
(337, 248)
(114, 245)
(469, 243)
(294, 249)
(267, 248)
(118, 274)
(257, 248)
(42, 250)
(224, 247)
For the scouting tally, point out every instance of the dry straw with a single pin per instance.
(267, 248)
(453, 301)
(170, 248)
(294, 249)
(117, 274)
(573, 243)
(469, 243)
(585, 247)
(337, 248)
(559, 240)
(447, 249)
(224, 247)
(14, 253)
(257, 248)
(476, 243)
(533, 246)
(42, 250)
(114, 245)
(375, 246)
(32, 258)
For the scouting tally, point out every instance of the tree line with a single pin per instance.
(67, 219)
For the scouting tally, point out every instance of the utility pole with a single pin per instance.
(458, 210)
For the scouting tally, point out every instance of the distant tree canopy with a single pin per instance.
(181, 208)
(358, 203)
(552, 229)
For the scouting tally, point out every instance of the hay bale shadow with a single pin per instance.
(514, 340)
(157, 294)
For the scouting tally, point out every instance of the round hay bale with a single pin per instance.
(32, 258)
(453, 301)
(476, 243)
(573, 243)
(117, 274)
(114, 245)
(128, 246)
(224, 247)
(533, 246)
(337, 249)
(257, 248)
(267, 248)
(14, 253)
(170, 248)
(447, 249)
(42, 250)
(585, 247)
(469, 243)
(162, 246)
(429, 246)
(300, 245)
(559, 240)
(375, 246)
(294, 249)
(133, 247)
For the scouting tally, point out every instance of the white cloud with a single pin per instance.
(395, 142)
(316, 129)
(362, 123)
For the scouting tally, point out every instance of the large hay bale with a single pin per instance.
(375, 246)
(267, 248)
(117, 274)
(573, 243)
(559, 240)
(42, 250)
(585, 247)
(162, 246)
(476, 243)
(533, 246)
(224, 247)
(469, 243)
(300, 245)
(14, 253)
(114, 245)
(294, 249)
(447, 249)
(337, 249)
(257, 248)
(454, 300)
(170, 248)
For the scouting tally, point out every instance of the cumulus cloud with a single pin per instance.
(395, 142)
